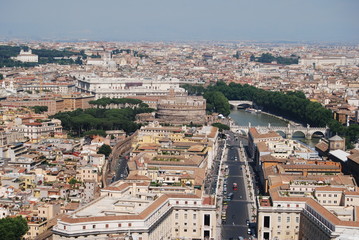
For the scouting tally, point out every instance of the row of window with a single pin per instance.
(329, 195)
(329, 201)
(106, 226)
(288, 219)
(185, 230)
(186, 216)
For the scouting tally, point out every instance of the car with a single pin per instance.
(240, 238)
(230, 196)
(247, 222)
(249, 231)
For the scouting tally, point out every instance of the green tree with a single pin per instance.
(105, 149)
(95, 132)
(221, 126)
(1, 77)
(40, 109)
(13, 228)
(217, 102)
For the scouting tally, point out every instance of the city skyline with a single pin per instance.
(259, 20)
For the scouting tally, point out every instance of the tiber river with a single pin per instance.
(242, 118)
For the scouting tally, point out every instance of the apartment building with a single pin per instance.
(315, 207)
(255, 137)
(36, 130)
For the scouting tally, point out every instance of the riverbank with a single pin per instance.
(292, 123)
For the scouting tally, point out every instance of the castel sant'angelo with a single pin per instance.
(181, 109)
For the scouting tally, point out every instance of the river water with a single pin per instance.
(243, 118)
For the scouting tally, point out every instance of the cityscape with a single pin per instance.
(172, 134)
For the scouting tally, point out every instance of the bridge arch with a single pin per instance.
(318, 134)
(282, 133)
(298, 133)
(244, 105)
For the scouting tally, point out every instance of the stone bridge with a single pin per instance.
(288, 131)
(241, 104)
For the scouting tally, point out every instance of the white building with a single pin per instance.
(26, 56)
(112, 87)
(328, 60)
(128, 210)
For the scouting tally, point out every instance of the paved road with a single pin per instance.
(237, 211)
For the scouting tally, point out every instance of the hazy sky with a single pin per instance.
(136, 20)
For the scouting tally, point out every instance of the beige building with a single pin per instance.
(129, 209)
(315, 207)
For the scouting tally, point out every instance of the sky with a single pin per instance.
(181, 20)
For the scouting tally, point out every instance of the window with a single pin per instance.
(297, 219)
(119, 225)
(207, 219)
(130, 224)
(335, 201)
(106, 225)
(288, 219)
(324, 201)
(185, 229)
(266, 235)
(324, 195)
(177, 202)
(185, 202)
(194, 216)
(335, 195)
(64, 227)
(83, 227)
(93, 226)
(194, 230)
(185, 216)
(176, 216)
(279, 218)
(266, 221)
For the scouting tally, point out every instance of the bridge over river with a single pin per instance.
(287, 131)
(241, 103)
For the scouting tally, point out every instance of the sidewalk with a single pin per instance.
(252, 210)
(219, 191)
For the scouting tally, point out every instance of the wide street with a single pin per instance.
(237, 210)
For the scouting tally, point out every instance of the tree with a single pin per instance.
(73, 181)
(221, 126)
(13, 228)
(1, 77)
(78, 61)
(217, 102)
(105, 149)
(40, 109)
